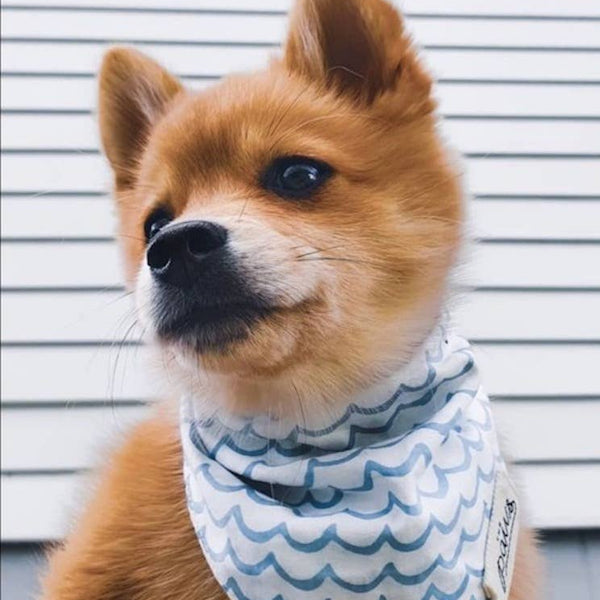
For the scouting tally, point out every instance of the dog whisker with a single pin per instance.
(318, 250)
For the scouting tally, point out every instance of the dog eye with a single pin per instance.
(296, 176)
(156, 221)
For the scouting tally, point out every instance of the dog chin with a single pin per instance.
(214, 329)
(249, 339)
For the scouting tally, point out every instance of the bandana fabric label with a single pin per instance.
(502, 539)
(390, 501)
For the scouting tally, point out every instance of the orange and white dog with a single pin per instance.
(289, 236)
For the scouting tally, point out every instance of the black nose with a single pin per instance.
(177, 253)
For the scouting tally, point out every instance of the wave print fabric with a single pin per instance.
(392, 501)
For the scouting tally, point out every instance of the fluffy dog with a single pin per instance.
(289, 236)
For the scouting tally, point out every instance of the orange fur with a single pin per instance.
(135, 540)
(383, 235)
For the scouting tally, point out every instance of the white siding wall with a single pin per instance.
(519, 86)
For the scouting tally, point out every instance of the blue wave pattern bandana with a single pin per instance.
(391, 501)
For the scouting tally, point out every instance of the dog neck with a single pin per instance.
(316, 391)
(296, 403)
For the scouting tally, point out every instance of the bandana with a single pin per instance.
(390, 501)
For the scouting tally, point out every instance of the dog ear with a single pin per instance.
(356, 47)
(134, 92)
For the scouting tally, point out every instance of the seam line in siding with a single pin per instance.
(275, 12)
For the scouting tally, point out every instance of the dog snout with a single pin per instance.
(177, 255)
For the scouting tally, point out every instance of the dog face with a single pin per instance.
(295, 224)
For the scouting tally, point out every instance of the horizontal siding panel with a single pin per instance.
(517, 218)
(59, 132)
(506, 218)
(534, 265)
(65, 264)
(33, 93)
(532, 370)
(39, 507)
(113, 373)
(78, 437)
(57, 57)
(48, 93)
(75, 317)
(57, 217)
(519, 100)
(560, 8)
(54, 172)
(193, 5)
(48, 317)
(586, 8)
(77, 132)
(487, 175)
(203, 61)
(526, 426)
(40, 24)
(562, 496)
(75, 374)
(532, 177)
(523, 137)
(270, 28)
(529, 316)
(97, 264)
(64, 439)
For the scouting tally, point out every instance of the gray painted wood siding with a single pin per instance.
(519, 93)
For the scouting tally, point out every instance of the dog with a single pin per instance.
(289, 237)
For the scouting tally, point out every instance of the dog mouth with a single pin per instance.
(216, 305)
(209, 328)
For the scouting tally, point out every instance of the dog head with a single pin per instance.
(294, 225)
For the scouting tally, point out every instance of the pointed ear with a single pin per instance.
(134, 92)
(357, 47)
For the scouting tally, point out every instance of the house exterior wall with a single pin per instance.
(519, 93)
